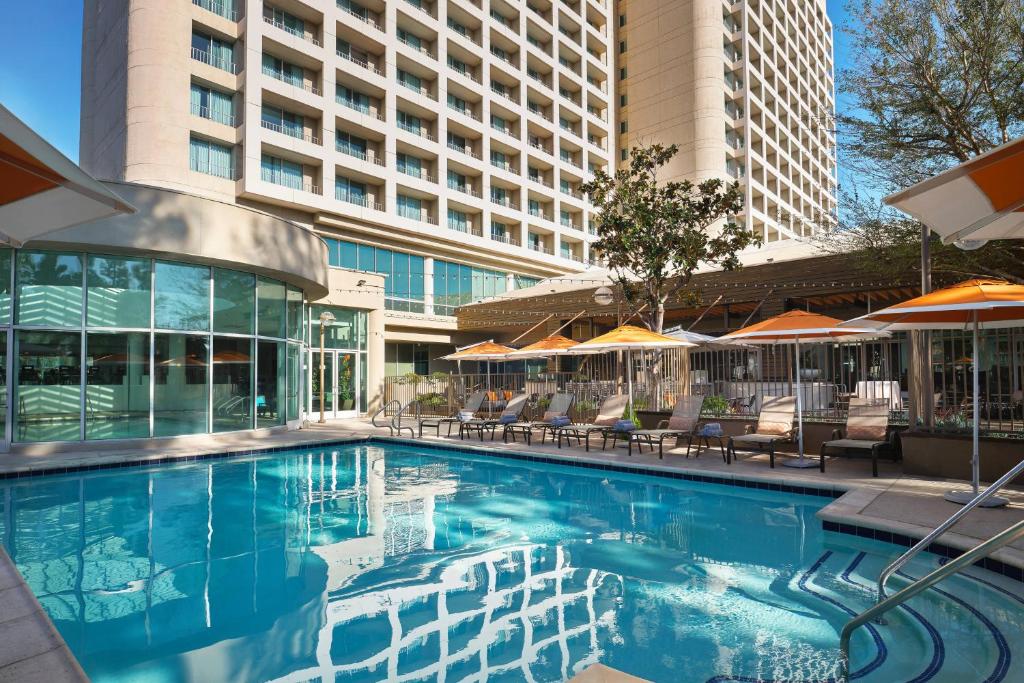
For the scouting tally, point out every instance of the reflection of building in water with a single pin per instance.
(510, 609)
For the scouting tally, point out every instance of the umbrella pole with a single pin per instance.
(964, 497)
(800, 462)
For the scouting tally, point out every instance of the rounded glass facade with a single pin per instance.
(101, 346)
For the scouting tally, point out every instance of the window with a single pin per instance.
(410, 39)
(233, 301)
(212, 51)
(270, 383)
(350, 191)
(457, 103)
(282, 121)
(350, 144)
(622, 20)
(410, 165)
(623, 154)
(117, 292)
(409, 207)
(281, 172)
(622, 46)
(232, 384)
(49, 389)
(623, 126)
(410, 81)
(623, 100)
(458, 220)
(292, 74)
(180, 378)
(182, 300)
(403, 288)
(295, 313)
(500, 124)
(213, 104)
(622, 73)
(49, 289)
(6, 264)
(211, 158)
(457, 284)
(117, 384)
(410, 122)
(270, 307)
(353, 99)
(285, 20)
(457, 141)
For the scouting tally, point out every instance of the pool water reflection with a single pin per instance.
(368, 563)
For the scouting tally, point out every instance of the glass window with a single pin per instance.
(294, 313)
(295, 376)
(118, 292)
(182, 296)
(3, 381)
(340, 334)
(270, 303)
(270, 383)
(210, 158)
(349, 258)
(6, 258)
(180, 398)
(49, 288)
(362, 382)
(346, 381)
(233, 301)
(49, 389)
(232, 384)
(116, 385)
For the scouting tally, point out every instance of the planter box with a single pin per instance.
(948, 456)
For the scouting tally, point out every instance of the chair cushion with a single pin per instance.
(559, 421)
(624, 426)
(465, 415)
(770, 428)
(508, 419)
(550, 415)
(711, 429)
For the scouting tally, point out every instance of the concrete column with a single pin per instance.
(708, 102)
(374, 359)
(428, 285)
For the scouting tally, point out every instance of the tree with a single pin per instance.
(932, 83)
(654, 235)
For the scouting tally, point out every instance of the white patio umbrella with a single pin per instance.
(41, 190)
(795, 327)
(974, 305)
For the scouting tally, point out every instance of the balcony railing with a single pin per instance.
(290, 131)
(421, 7)
(540, 180)
(506, 202)
(505, 93)
(463, 150)
(461, 30)
(359, 61)
(348, 150)
(415, 215)
(539, 213)
(420, 132)
(503, 165)
(360, 14)
(222, 9)
(464, 189)
(288, 181)
(422, 49)
(358, 200)
(504, 238)
(465, 111)
(207, 113)
(291, 80)
(216, 62)
(359, 107)
(227, 172)
(419, 89)
(541, 247)
(302, 35)
(417, 173)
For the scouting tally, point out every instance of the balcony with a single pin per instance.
(420, 6)
(288, 181)
(506, 202)
(417, 173)
(419, 132)
(220, 8)
(207, 113)
(349, 150)
(415, 215)
(463, 150)
(343, 195)
(465, 111)
(505, 238)
(359, 13)
(301, 35)
(355, 105)
(464, 189)
(417, 47)
(418, 89)
(504, 93)
(290, 131)
(504, 56)
(226, 172)
(540, 213)
(504, 165)
(291, 80)
(359, 61)
(214, 61)
(540, 247)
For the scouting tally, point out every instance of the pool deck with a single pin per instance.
(30, 648)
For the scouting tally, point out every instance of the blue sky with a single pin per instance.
(40, 70)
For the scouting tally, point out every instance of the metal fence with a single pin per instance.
(735, 380)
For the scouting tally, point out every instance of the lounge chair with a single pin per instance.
(682, 424)
(608, 414)
(513, 411)
(774, 426)
(558, 408)
(867, 429)
(473, 403)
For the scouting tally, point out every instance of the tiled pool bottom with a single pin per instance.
(386, 562)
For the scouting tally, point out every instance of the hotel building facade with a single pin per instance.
(436, 149)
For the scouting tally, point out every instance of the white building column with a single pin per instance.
(428, 285)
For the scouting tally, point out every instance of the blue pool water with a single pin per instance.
(387, 563)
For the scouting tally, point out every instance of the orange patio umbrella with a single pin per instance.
(552, 345)
(974, 304)
(486, 351)
(795, 327)
(629, 338)
(981, 199)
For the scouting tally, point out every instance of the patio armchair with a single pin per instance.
(774, 426)
(473, 403)
(608, 414)
(867, 429)
(512, 413)
(683, 424)
(558, 408)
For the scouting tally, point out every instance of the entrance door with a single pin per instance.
(340, 395)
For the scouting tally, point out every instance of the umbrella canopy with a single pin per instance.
(794, 327)
(487, 350)
(975, 305)
(41, 190)
(630, 338)
(981, 199)
(994, 303)
(552, 345)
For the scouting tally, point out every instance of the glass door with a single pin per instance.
(329, 388)
(341, 384)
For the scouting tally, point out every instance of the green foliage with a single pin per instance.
(432, 399)
(585, 405)
(411, 378)
(654, 234)
(715, 405)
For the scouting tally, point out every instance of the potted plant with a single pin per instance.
(345, 393)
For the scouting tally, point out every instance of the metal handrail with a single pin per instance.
(396, 421)
(953, 566)
(384, 408)
(942, 528)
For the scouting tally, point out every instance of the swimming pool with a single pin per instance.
(376, 562)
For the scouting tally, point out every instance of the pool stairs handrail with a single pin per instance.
(979, 552)
(902, 560)
(390, 423)
(396, 420)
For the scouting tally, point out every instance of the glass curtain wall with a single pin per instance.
(113, 347)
